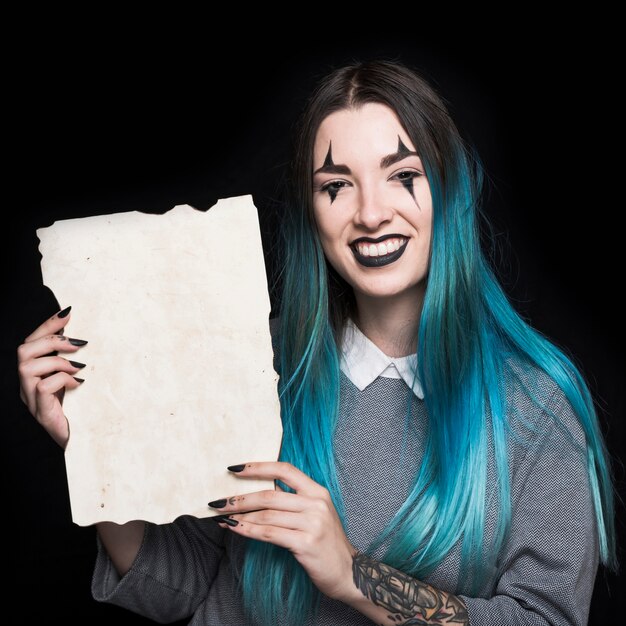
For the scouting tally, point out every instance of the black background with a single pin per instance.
(106, 124)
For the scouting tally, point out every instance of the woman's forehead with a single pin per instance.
(372, 130)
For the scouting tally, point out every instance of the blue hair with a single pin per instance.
(469, 334)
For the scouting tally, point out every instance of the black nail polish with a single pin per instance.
(80, 380)
(64, 312)
(218, 504)
(77, 364)
(77, 342)
(236, 468)
(224, 518)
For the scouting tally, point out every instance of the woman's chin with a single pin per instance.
(386, 292)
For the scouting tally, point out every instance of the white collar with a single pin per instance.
(362, 361)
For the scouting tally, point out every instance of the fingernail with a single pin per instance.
(225, 519)
(64, 312)
(77, 364)
(236, 468)
(80, 380)
(77, 342)
(218, 504)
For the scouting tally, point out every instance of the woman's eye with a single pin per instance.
(406, 175)
(333, 187)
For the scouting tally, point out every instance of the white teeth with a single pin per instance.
(380, 249)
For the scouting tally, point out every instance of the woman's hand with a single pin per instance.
(305, 522)
(44, 377)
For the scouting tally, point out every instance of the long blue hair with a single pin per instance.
(468, 334)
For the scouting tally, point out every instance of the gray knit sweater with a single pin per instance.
(546, 570)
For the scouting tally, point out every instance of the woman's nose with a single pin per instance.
(372, 210)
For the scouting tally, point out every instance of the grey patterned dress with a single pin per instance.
(546, 570)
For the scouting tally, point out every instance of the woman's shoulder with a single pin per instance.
(537, 406)
(523, 379)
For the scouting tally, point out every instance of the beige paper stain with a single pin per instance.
(179, 382)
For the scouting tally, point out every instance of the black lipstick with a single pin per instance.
(378, 261)
(379, 239)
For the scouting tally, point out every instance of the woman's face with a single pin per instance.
(372, 202)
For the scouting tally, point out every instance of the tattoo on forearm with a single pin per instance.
(409, 601)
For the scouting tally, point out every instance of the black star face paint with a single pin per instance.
(328, 161)
(407, 181)
(403, 151)
(332, 192)
(329, 165)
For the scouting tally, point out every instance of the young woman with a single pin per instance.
(441, 461)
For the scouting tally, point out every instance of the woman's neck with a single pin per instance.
(391, 323)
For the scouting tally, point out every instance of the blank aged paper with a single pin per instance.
(179, 381)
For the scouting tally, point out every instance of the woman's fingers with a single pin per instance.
(44, 376)
(279, 519)
(284, 537)
(48, 409)
(284, 472)
(34, 363)
(280, 500)
(52, 325)
(305, 522)
(47, 387)
(46, 344)
(46, 365)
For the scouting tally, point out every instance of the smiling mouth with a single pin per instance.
(379, 254)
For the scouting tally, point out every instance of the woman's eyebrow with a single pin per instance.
(333, 169)
(402, 153)
(329, 167)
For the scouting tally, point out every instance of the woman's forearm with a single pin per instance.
(389, 597)
(122, 542)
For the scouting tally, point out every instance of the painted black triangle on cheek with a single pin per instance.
(403, 151)
(408, 185)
